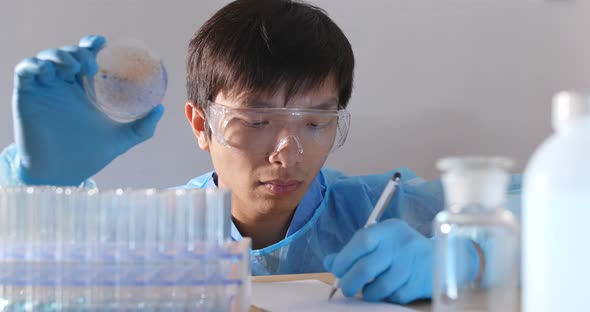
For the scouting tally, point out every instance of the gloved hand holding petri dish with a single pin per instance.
(131, 80)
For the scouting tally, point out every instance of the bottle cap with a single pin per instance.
(475, 181)
(568, 107)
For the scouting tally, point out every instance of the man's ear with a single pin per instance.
(196, 118)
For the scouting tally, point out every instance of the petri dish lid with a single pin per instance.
(131, 80)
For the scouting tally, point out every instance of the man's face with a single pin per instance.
(272, 181)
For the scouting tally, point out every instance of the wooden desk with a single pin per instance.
(323, 277)
(422, 305)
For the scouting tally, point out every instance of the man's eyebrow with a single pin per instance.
(257, 104)
(330, 104)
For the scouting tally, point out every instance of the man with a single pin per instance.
(268, 85)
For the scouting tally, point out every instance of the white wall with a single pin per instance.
(433, 78)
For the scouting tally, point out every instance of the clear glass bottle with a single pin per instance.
(475, 223)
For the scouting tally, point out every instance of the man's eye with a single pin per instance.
(256, 124)
(319, 124)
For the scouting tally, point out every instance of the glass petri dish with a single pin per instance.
(131, 80)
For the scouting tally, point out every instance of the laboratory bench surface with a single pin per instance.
(421, 305)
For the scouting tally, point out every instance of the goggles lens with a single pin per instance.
(260, 130)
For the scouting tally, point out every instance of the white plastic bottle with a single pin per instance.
(556, 212)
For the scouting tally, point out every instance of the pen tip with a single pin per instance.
(332, 292)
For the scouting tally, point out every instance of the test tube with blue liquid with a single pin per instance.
(74, 249)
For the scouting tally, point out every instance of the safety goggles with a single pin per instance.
(268, 130)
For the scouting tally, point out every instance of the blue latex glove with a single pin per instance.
(388, 261)
(61, 138)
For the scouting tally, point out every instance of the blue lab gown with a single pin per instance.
(330, 214)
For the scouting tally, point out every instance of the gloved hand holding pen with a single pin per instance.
(61, 138)
(389, 261)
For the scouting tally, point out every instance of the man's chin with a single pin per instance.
(281, 199)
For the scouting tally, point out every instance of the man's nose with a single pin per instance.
(290, 140)
(288, 151)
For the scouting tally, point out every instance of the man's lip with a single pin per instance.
(282, 187)
(282, 182)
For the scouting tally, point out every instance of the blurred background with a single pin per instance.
(433, 78)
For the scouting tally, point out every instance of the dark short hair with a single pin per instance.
(258, 46)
